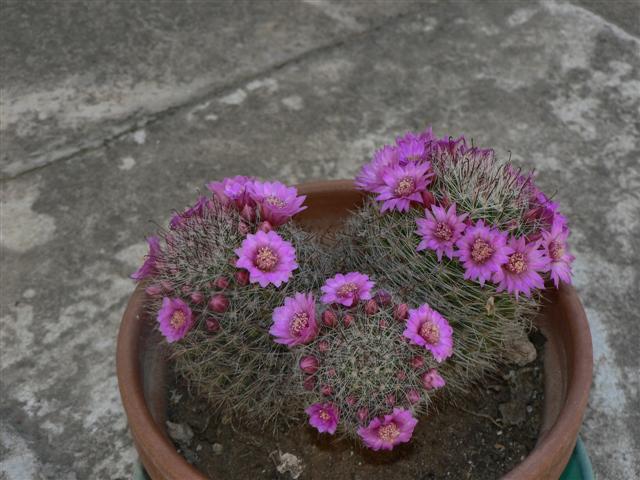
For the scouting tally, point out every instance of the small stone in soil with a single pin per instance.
(290, 463)
(217, 448)
(180, 432)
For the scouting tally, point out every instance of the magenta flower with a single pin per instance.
(232, 190)
(149, 265)
(431, 380)
(385, 433)
(411, 148)
(197, 210)
(557, 252)
(294, 323)
(403, 185)
(482, 251)
(277, 202)
(440, 230)
(520, 273)
(428, 329)
(324, 417)
(347, 289)
(268, 258)
(370, 176)
(175, 319)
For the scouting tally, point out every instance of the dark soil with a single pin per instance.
(486, 435)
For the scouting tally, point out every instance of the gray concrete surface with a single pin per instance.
(113, 113)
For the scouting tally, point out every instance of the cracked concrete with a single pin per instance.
(114, 113)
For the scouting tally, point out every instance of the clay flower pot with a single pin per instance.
(567, 366)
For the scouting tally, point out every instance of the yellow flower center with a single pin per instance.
(347, 289)
(405, 187)
(430, 332)
(388, 433)
(299, 322)
(442, 232)
(517, 263)
(556, 249)
(275, 201)
(324, 416)
(266, 259)
(177, 319)
(481, 251)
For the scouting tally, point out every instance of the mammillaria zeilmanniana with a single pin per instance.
(367, 363)
(448, 224)
(213, 279)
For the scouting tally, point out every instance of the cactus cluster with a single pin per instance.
(460, 247)
(216, 318)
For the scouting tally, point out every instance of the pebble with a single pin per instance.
(217, 448)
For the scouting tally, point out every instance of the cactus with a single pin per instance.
(225, 353)
(486, 315)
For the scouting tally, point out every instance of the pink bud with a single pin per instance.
(383, 298)
(401, 375)
(382, 323)
(265, 226)
(248, 213)
(331, 372)
(309, 383)
(153, 290)
(351, 400)
(243, 228)
(363, 414)
(323, 346)
(401, 312)
(309, 364)
(197, 297)
(413, 396)
(242, 277)
(347, 320)
(219, 303)
(213, 325)
(166, 285)
(186, 289)
(390, 399)
(326, 390)
(329, 318)
(221, 283)
(417, 362)
(428, 199)
(445, 203)
(371, 307)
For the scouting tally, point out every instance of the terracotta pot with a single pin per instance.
(567, 366)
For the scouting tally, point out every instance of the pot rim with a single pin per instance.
(161, 458)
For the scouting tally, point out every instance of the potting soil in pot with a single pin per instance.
(482, 437)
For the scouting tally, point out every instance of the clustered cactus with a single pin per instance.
(214, 305)
(447, 260)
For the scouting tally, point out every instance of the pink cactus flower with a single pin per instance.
(557, 253)
(294, 323)
(482, 251)
(277, 202)
(268, 258)
(440, 230)
(521, 272)
(370, 176)
(347, 289)
(324, 417)
(387, 432)
(174, 318)
(309, 364)
(428, 329)
(431, 380)
(404, 185)
(233, 190)
(149, 266)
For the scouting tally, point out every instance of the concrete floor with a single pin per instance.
(113, 113)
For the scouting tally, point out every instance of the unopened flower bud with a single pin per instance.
(351, 400)
(390, 399)
(196, 297)
(248, 213)
(309, 383)
(213, 325)
(326, 390)
(413, 396)
(383, 298)
(445, 203)
(219, 303)
(329, 318)
(347, 320)
(323, 346)
(221, 283)
(363, 414)
(166, 285)
(309, 364)
(401, 312)
(243, 228)
(265, 226)
(242, 277)
(331, 372)
(401, 375)
(371, 307)
(428, 199)
(382, 323)
(153, 290)
(417, 362)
